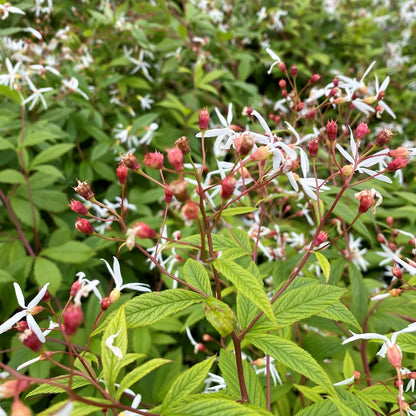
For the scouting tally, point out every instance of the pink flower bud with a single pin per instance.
(294, 71)
(313, 147)
(19, 409)
(331, 129)
(261, 153)
(282, 67)
(399, 152)
(244, 143)
(321, 238)
(394, 355)
(362, 130)
(21, 326)
(122, 172)
(389, 221)
(190, 211)
(381, 239)
(282, 84)
(383, 137)
(227, 187)
(175, 157)
(73, 318)
(168, 195)
(180, 190)
(30, 339)
(332, 92)
(144, 231)
(84, 226)
(311, 114)
(396, 164)
(75, 287)
(366, 198)
(77, 207)
(335, 82)
(154, 160)
(315, 78)
(203, 119)
(84, 190)
(13, 387)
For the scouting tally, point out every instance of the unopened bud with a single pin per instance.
(395, 292)
(315, 78)
(399, 152)
(30, 339)
(84, 226)
(366, 198)
(294, 71)
(21, 326)
(347, 170)
(207, 338)
(107, 301)
(261, 153)
(331, 129)
(180, 190)
(362, 130)
(310, 115)
(142, 230)
(183, 144)
(321, 238)
(131, 162)
(203, 119)
(153, 160)
(381, 239)
(73, 318)
(313, 147)
(332, 92)
(383, 137)
(335, 81)
(398, 163)
(84, 190)
(227, 187)
(175, 157)
(190, 211)
(282, 84)
(122, 173)
(394, 355)
(78, 207)
(282, 67)
(300, 106)
(19, 409)
(244, 143)
(168, 195)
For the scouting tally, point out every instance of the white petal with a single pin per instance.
(32, 324)
(263, 123)
(111, 271)
(368, 335)
(387, 108)
(5, 326)
(345, 382)
(385, 84)
(19, 295)
(345, 153)
(368, 70)
(304, 162)
(292, 181)
(222, 119)
(141, 287)
(230, 114)
(38, 297)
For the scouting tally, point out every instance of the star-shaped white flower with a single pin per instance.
(118, 279)
(26, 312)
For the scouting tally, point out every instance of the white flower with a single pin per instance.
(7, 8)
(26, 312)
(36, 94)
(8, 79)
(213, 378)
(275, 58)
(118, 279)
(356, 252)
(87, 286)
(195, 344)
(72, 86)
(145, 102)
(389, 256)
(109, 342)
(141, 65)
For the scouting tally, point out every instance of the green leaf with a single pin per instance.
(210, 405)
(10, 93)
(77, 382)
(51, 153)
(344, 409)
(311, 393)
(323, 407)
(220, 316)
(11, 176)
(247, 284)
(188, 382)
(359, 294)
(5, 277)
(379, 393)
(150, 308)
(5, 144)
(80, 408)
(324, 263)
(348, 366)
(69, 252)
(231, 212)
(116, 335)
(47, 272)
(228, 369)
(288, 353)
(339, 312)
(301, 303)
(50, 200)
(196, 275)
(24, 211)
(138, 373)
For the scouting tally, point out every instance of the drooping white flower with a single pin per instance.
(26, 312)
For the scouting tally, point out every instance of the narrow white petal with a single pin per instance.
(368, 70)
(263, 123)
(222, 119)
(345, 382)
(32, 324)
(345, 153)
(368, 335)
(230, 114)
(117, 272)
(38, 297)
(27, 363)
(292, 181)
(141, 287)
(5, 326)
(19, 295)
(385, 84)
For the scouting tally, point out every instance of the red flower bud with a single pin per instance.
(21, 326)
(311, 114)
(122, 172)
(190, 210)
(396, 164)
(331, 129)
(30, 339)
(73, 318)
(75, 287)
(294, 71)
(396, 272)
(313, 147)
(203, 119)
(300, 106)
(130, 161)
(383, 137)
(227, 187)
(244, 143)
(84, 190)
(362, 130)
(175, 157)
(77, 207)
(366, 198)
(106, 302)
(399, 152)
(381, 239)
(315, 78)
(153, 160)
(282, 84)
(84, 226)
(321, 238)
(332, 92)
(389, 221)
(394, 355)
(19, 409)
(282, 67)
(335, 82)
(144, 231)
(168, 195)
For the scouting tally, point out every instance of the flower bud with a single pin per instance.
(315, 78)
(84, 226)
(131, 162)
(12, 387)
(332, 92)
(75, 287)
(73, 318)
(366, 199)
(294, 71)
(110, 299)
(347, 170)
(175, 157)
(84, 190)
(247, 111)
(383, 137)
(399, 152)
(30, 339)
(311, 114)
(19, 409)
(207, 338)
(243, 144)
(335, 81)
(300, 106)
(153, 160)
(321, 238)
(395, 292)
(183, 144)
(396, 164)
(331, 129)
(190, 211)
(21, 326)
(122, 172)
(362, 130)
(142, 230)
(78, 207)
(46, 296)
(394, 355)
(282, 67)
(389, 221)
(261, 153)
(203, 119)
(381, 239)
(180, 190)
(227, 187)
(168, 195)
(282, 84)
(313, 147)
